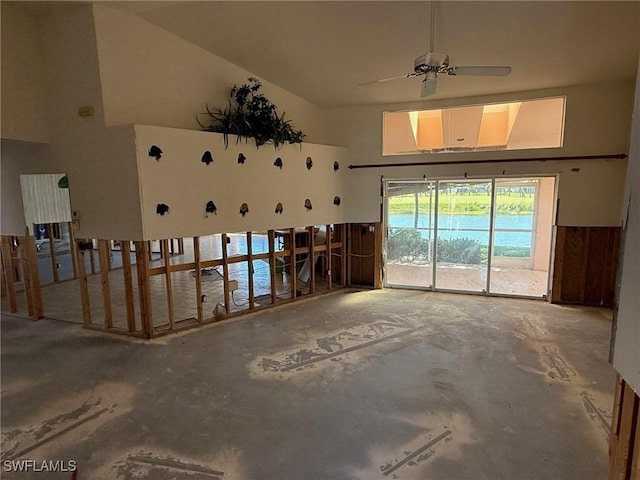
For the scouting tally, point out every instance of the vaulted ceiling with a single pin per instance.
(322, 50)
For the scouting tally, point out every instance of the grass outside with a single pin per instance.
(463, 204)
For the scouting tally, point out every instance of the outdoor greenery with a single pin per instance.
(407, 242)
(473, 204)
(249, 114)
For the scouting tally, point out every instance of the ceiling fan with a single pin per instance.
(433, 63)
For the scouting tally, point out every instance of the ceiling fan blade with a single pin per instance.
(428, 87)
(495, 71)
(407, 75)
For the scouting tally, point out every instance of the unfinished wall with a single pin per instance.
(597, 122)
(183, 182)
(150, 76)
(23, 94)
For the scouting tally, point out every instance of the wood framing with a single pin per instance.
(8, 272)
(31, 266)
(144, 289)
(225, 274)
(252, 303)
(104, 256)
(624, 442)
(166, 257)
(92, 261)
(52, 251)
(293, 274)
(343, 255)
(312, 258)
(84, 287)
(74, 250)
(272, 264)
(329, 240)
(198, 269)
(125, 251)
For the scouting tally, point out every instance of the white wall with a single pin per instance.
(626, 357)
(100, 162)
(23, 95)
(597, 122)
(152, 77)
(19, 158)
(182, 181)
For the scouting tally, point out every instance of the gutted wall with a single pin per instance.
(23, 93)
(182, 181)
(590, 192)
(150, 76)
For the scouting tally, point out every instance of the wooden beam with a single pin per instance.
(32, 256)
(125, 251)
(26, 277)
(252, 303)
(74, 250)
(558, 265)
(348, 254)
(293, 272)
(92, 260)
(622, 452)
(8, 272)
(328, 254)
(84, 287)
(198, 268)
(312, 260)
(164, 246)
(144, 289)
(377, 259)
(225, 274)
(272, 264)
(105, 260)
(343, 251)
(52, 250)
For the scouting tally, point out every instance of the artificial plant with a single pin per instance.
(249, 114)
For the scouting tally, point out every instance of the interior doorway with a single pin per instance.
(487, 235)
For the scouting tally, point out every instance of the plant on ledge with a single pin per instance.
(249, 114)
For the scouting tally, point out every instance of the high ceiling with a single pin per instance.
(322, 50)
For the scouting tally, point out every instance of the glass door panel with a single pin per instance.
(523, 217)
(463, 233)
(410, 234)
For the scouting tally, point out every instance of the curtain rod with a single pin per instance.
(508, 160)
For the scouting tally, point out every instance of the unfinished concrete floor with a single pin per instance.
(351, 385)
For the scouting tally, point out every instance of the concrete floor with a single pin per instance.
(351, 385)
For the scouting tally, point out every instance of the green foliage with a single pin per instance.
(249, 114)
(405, 242)
(459, 250)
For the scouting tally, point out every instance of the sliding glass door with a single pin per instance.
(410, 234)
(482, 235)
(463, 233)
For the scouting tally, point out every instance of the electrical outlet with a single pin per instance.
(233, 285)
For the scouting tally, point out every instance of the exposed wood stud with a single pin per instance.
(377, 259)
(26, 277)
(347, 252)
(8, 273)
(272, 264)
(558, 265)
(225, 274)
(198, 269)
(84, 287)
(250, 270)
(74, 250)
(622, 442)
(34, 275)
(167, 280)
(343, 255)
(144, 289)
(92, 260)
(105, 261)
(52, 251)
(327, 262)
(293, 273)
(125, 251)
(312, 263)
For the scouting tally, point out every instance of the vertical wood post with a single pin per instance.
(312, 259)
(328, 254)
(377, 259)
(92, 260)
(125, 250)
(26, 277)
(250, 270)
(8, 275)
(84, 287)
(196, 261)
(347, 252)
(164, 247)
(272, 264)
(144, 290)
(32, 261)
(294, 265)
(74, 250)
(343, 256)
(52, 250)
(225, 272)
(105, 261)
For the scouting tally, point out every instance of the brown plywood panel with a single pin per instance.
(574, 264)
(596, 262)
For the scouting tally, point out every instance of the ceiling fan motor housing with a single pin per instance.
(431, 61)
